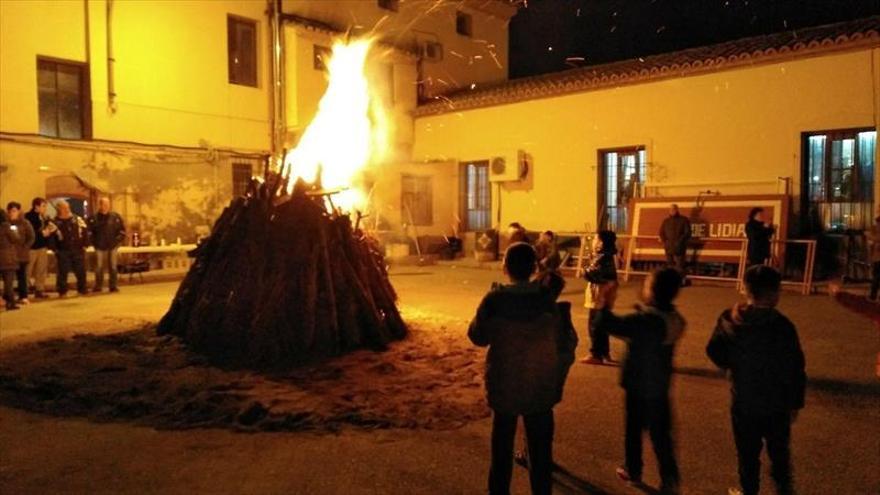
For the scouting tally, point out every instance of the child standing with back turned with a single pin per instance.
(600, 275)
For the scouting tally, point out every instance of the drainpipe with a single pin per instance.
(279, 125)
(111, 88)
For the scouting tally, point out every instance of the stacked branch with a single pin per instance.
(283, 281)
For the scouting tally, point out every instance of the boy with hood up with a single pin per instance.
(760, 349)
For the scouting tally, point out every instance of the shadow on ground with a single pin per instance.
(432, 380)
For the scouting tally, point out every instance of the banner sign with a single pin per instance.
(713, 219)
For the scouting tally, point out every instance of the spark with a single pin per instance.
(661, 29)
(549, 48)
(455, 54)
(473, 85)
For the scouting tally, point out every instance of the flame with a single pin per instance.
(348, 132)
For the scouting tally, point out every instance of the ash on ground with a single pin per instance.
(431, 380)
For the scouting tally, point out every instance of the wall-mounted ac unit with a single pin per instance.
(509, 168)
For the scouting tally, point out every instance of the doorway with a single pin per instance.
(621, 172)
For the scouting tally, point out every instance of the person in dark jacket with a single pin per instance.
(675, 232)
(70, 242)
(600, 274)
(23, 248)
(759, 233)
(651, 334)
(760, 349)
(547, 252)
(108, 231)
(9, 238)
(516, 233)
(38, 265)
(520, 324)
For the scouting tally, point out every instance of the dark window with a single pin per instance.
(241, 38)
(392, 5)
(241, 177)
(839, 178)
(621, 171)
(475, 196)
(416, 198)
(64, 100)
(463, 24)
(321, 56)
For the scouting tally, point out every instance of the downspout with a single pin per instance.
(111, 87)
(279, 127)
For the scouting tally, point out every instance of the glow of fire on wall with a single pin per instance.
(349, 131)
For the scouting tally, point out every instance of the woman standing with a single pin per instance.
(759, 233)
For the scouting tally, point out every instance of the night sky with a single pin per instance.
(602, 31)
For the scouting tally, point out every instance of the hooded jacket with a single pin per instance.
(760, 349)
(521, 325)
(651, 334)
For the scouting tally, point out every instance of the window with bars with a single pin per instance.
(241, 44)
(416, 199)
(241, 177)
(64, 101)
(839, 178)
(475, 196)
(464, 24)
(621, 171)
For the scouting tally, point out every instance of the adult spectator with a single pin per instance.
(70, 242)
(759, 233)
(108, 232)
(675, 232)
(22, 248)
(517, 233)
(8, 261)
(547, 251)
(38, 264)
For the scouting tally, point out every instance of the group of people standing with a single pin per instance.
(26, 239)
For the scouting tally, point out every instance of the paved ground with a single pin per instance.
(835, 439)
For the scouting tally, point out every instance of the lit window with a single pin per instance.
(622, 170)
(463, 24)
(839, 178)
(63, 93)
(416, 198)
(241, 45)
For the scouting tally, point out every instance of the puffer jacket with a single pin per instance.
(26, 238)
(520, 324)
(9, 239)
(760, 349)
(651, 334)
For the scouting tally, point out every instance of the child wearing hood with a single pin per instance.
(600, 275)
(760, 349)
(651, 334)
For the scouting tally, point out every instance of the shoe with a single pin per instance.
(114, 289)
(40, 295)
(623, 475)
(62, 295)
(10, 307)
(734, 491)
(83, 292)
(97, 289)
(670, 489)
(591, 360)
(608, 360)
(24, 301)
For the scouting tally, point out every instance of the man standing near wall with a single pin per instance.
(70, 240)
(38, 265)
(108, 232)
(675, 232)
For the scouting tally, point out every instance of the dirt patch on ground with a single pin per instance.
(431, 380)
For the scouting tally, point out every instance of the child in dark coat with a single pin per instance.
(760, 349)
(601, 274)
(520, 323)
(9, 239)
(651, 334)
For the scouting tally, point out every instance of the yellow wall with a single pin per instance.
(170, 74)
(703, 131)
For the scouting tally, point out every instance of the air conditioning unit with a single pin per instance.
(510, 168)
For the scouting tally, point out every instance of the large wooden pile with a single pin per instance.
(282, 281)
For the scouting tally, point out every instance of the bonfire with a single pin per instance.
(287, 275)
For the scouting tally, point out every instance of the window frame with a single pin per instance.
(231, 20)
(858, 197)
(465, 28)
(463, 196)
(85, 96)
(419, 182)
(603, 220)
(236, 169)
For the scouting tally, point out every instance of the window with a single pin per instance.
(392, 5)
(241, 177)
(463, 24)
(241, 39)
(475, 196)
(621, 171)
(416, 198)
(839, 178)
(64, 101)
(321, 55)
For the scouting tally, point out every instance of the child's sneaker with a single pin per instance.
(609, 360)
(734, 491)
(24, 301)
(623, 475)
(591, 360)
